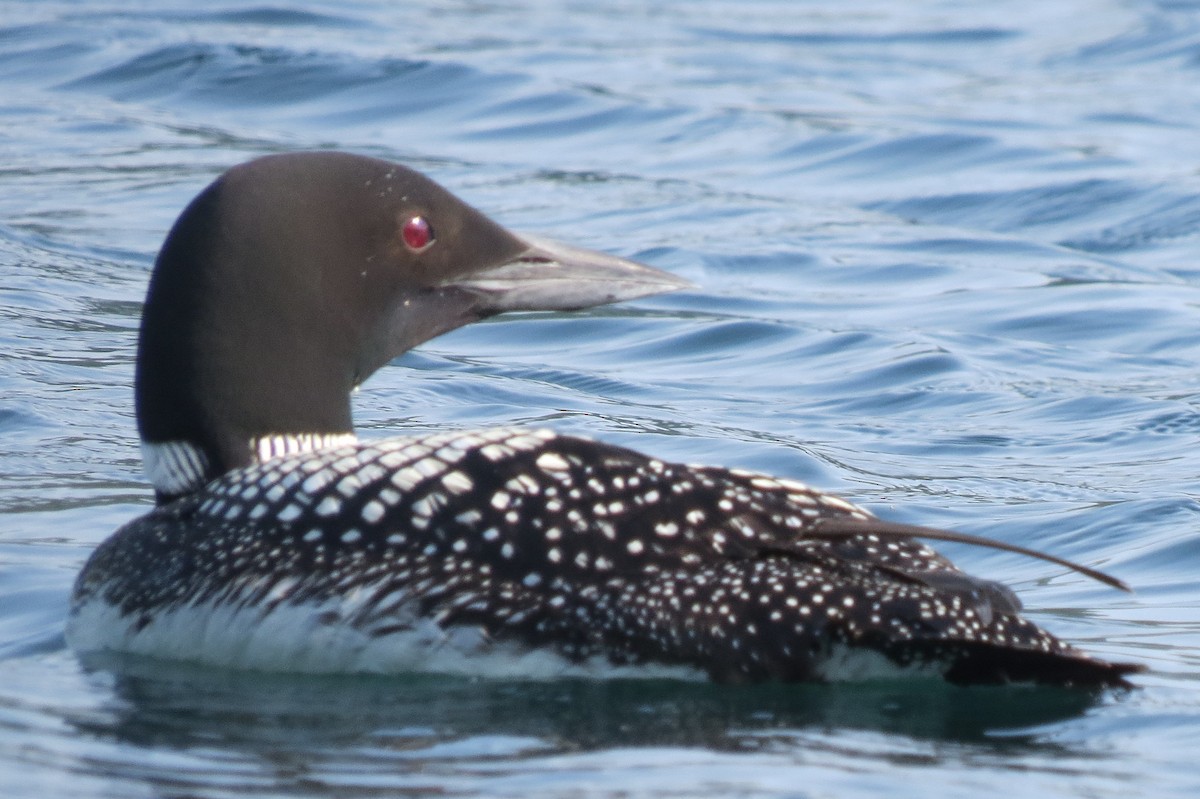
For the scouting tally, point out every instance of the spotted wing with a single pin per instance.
(593, 550)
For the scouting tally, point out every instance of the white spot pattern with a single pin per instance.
(551, 541)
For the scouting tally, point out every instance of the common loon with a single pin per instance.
(281, 542)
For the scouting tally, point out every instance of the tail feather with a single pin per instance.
(983, 664)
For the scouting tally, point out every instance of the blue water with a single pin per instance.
(945, 257)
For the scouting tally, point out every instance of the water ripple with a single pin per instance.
(945, 259)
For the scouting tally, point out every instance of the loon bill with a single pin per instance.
(281, 542)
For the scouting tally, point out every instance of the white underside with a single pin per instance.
(293, 638)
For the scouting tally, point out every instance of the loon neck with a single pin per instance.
(240, 359)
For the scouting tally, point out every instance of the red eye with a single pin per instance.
(417, 234)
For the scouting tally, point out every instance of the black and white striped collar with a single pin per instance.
(176, 468)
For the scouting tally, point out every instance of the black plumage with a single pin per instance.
(583, 548)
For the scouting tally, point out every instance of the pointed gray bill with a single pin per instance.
(550, 276)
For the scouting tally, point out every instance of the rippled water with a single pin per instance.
(945, 265)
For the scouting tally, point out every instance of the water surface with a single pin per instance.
(944, 258)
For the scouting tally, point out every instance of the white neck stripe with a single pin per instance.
(174, 467)
(278, 444)
(179, 467)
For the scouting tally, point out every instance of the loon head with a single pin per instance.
(292, 278)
